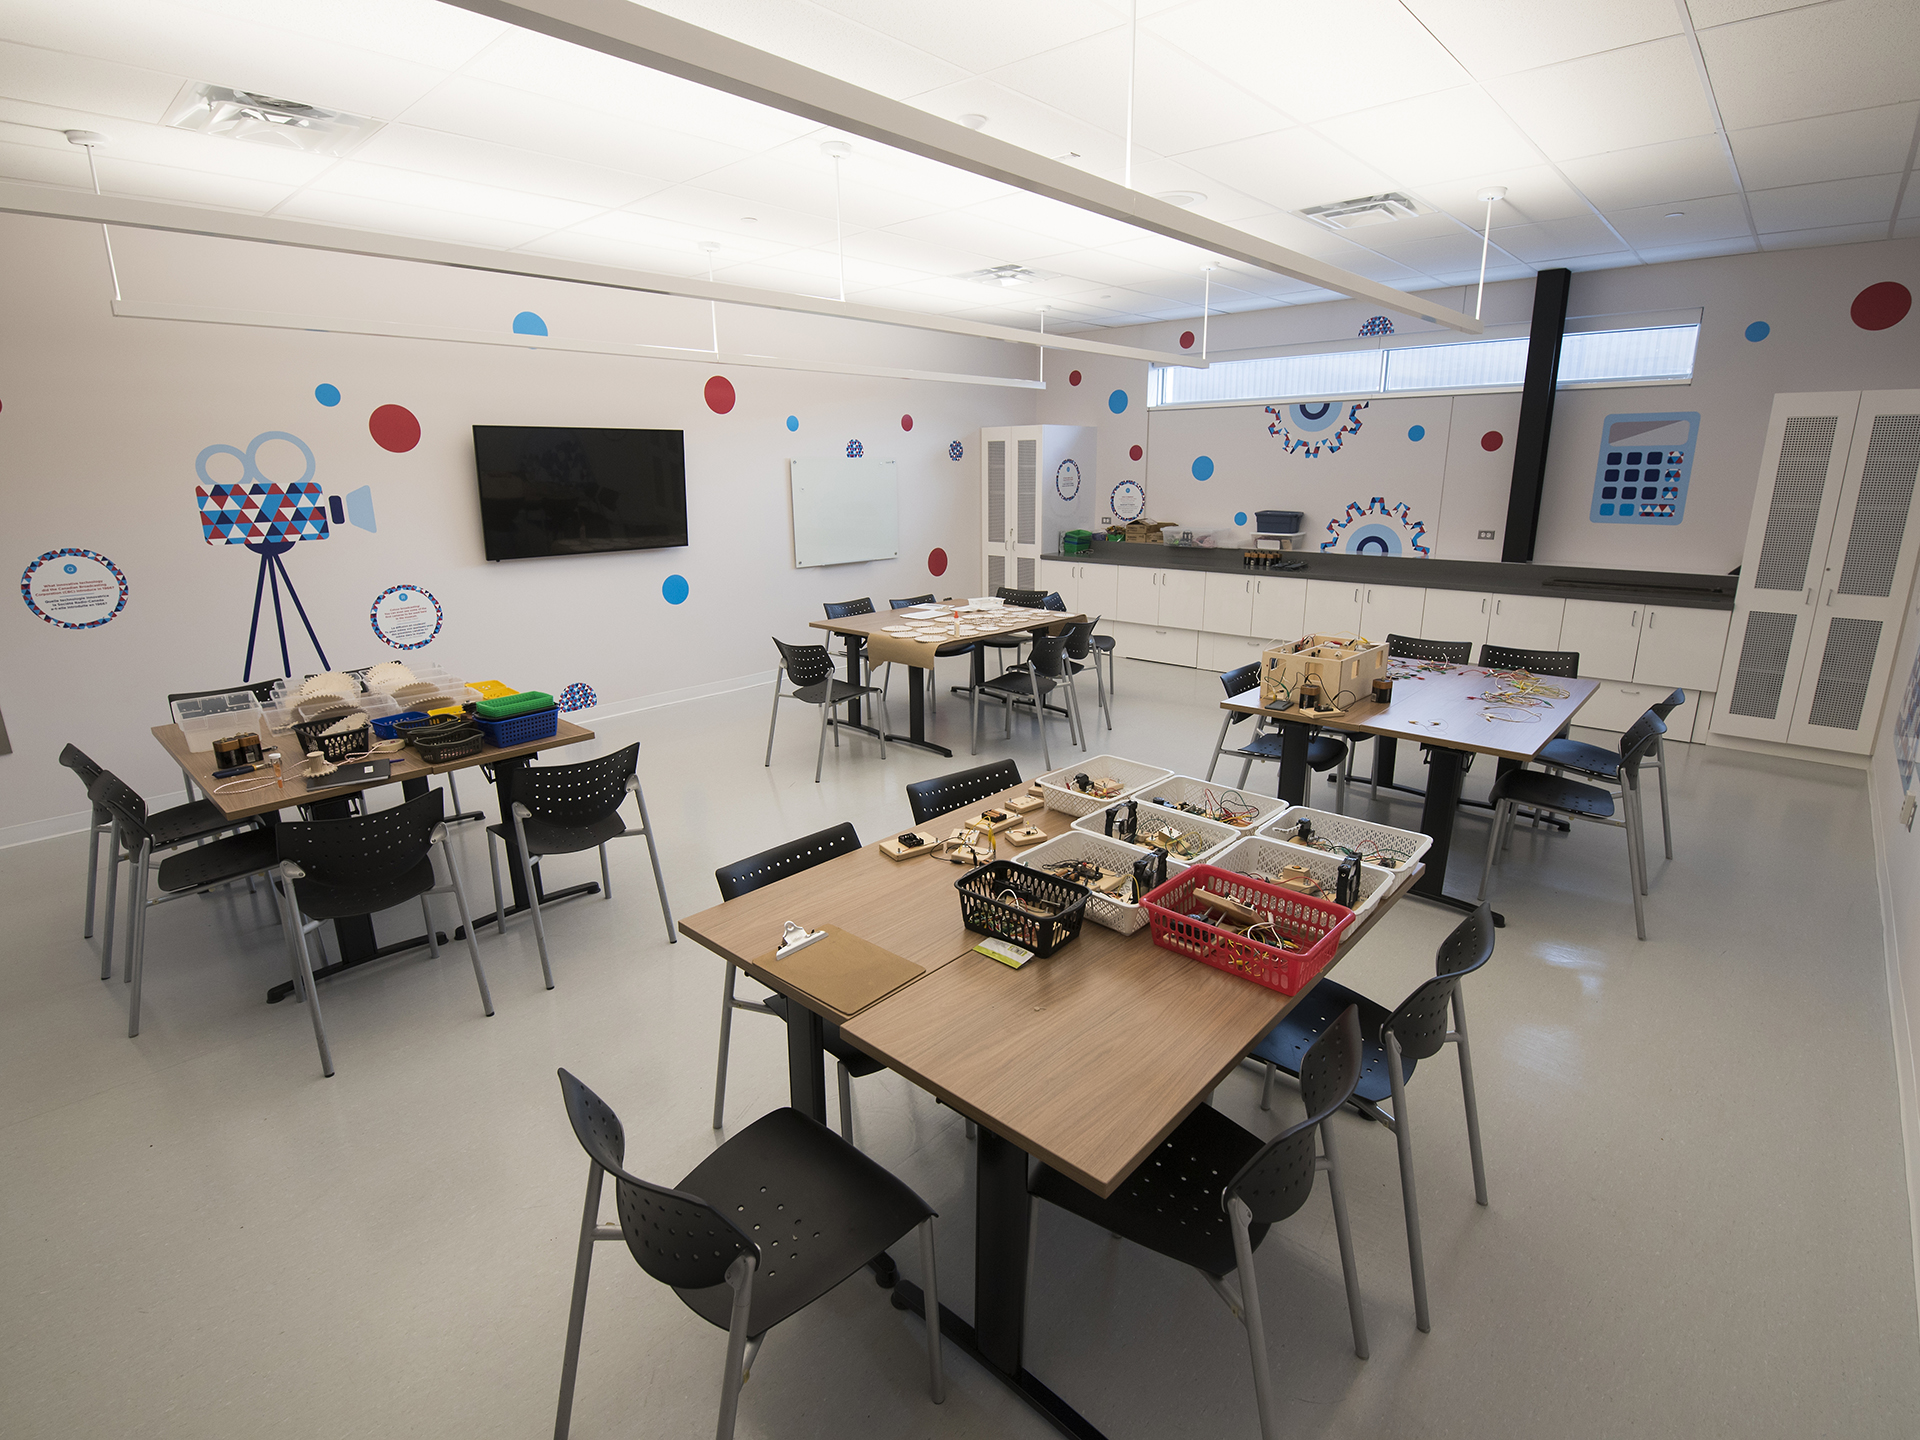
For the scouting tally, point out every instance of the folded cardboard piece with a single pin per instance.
(844, 973)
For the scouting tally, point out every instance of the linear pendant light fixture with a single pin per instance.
(644, 37)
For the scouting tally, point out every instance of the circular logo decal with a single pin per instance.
(1066, 480)
(1129, 501)
(406, 617)
(82, 592)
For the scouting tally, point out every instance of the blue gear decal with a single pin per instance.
(1301, 428)
(1393, 534)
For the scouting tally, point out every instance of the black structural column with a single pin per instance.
(1536, 414)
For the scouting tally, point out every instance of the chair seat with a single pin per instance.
(1002, 642)
(1171, 1202)
(1016, 684)
(958, 647)
(1578, 755)
(217, 862)
(817, 1207)
(857, 1061)
(1323, 751)
(834, 692)
(320, 900)
(1552, 792)
(1289, 1041)
(188, 822)
(548, 837)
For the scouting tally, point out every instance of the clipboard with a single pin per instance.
(843, 973)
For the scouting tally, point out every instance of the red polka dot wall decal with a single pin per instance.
(1135, 453)
(719, 393)
(394, 428)
(1186, 339)
(1492, 440)
(937, 562)
(1074, 378)
(906, 422)
(1882, 306)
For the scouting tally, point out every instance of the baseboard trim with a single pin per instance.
(1905, 1075)
(1717, 741)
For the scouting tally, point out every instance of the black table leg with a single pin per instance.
(1384, 751)
(916, 735)
(1446, 767)
(1295, 737)
(807, 1061)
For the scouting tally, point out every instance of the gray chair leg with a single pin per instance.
(433, 936)
(740, 1277)
(499, 896)
(1466, 1090)
(1331, 1164)
(533, 893)
(930, 1291)
(1238, 1219)
(113, 900)
(973, 1131)
(1493, 847)
(137, 933)
(466, 924)
(297, 937)
(653, 854)
(774, 718)
(94, 827)
(1666, 811)
(846, 1102)
(1410, 1201)
(974, 732)
(1266, 1088)
(577, 1312)
(726, 1044)
(606, 875)
(1634, 863)
(1219, 746)
(820, 756)
(1040, 719)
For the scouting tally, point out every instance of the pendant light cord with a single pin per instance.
(106, 239)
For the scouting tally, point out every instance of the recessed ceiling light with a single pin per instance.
(1675, 214)
(1182, 198)
(749, 219)
(268, 120)
(87, 139)
(1365, 210)
(712, 247)
(835, 149)
(974, 122)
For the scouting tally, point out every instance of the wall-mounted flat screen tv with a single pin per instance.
(576, 490)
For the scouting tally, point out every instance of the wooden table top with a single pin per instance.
(1087, 1059)
(1438, 707)
(407, 765)
(906, 906)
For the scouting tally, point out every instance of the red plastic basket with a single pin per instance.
(1316, 924)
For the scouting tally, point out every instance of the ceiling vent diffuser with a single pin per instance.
(268, 120)
(1366, 210)
(1006, 275)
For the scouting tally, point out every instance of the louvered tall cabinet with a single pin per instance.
(1035, 481)
(1829, 562)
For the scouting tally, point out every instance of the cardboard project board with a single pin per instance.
(843, 974)
(844, 511)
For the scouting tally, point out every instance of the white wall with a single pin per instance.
(101, 420)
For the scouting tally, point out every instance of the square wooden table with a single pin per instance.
(1087, 1059)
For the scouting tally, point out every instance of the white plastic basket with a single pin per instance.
(1152, 817)
(1177, 788)
(1057, 786)
(1371, 841)
(1260, 858)
(1078, 845)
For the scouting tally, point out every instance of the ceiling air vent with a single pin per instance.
(268, 120)
(1366, 210)
(1006, 275)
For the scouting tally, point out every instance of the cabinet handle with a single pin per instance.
(1650, 618)
(1829, 597)
(1369, 597)
(1496, 606)
(1809, 599)
(1356, 594)
(1483, 604)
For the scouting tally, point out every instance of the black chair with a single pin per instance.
(841, 609)
(169, 829)
(811, 670)
(1044, 672)
(1393, 1042)
(1543, 792)
(1212, 1191)
(361, 865)
(1324, 752)
(742, 878)
(193, 869)
(1413, 647)
(1103, 650)
(946, 793)
(1028, 599)
(1562, 663)
(737, 1237)
(944, 652)
(1603, 764)
(562, 810)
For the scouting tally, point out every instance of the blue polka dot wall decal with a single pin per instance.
(528, 323)
(328, 395)
(1239, 517)
(793, 422)
(855, 450)
(1117, 401)
(1758, 331)
(674, 589)
(1417, 432)
(1203, 467)
(955, 450)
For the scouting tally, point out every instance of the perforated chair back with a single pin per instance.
(580, 794)
(926, 599)
(1030, 599)
(743, 877)
(1238, 682)
(120, 800)
(1419, 1025)
(806, 664)
(1079, 639)
(1445, 652)
(944, 793)
(377, 845)
(678, 1239)
(1638, 742)
(1562, 663)
(76, 760)
(841, 609)
(1278, 1179)
(1048, 656)
(1054, 602)
(1672, 703)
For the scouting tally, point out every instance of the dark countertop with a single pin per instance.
(1569, 582)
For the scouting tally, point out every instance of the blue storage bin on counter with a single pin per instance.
(521, 729)
(387, 727)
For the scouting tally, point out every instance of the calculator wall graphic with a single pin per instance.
(1644, 464)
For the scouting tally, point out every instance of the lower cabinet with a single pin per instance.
(1616, 705)
(1222, 653)
(1153, 642)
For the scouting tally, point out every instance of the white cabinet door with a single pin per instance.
(1616, 705)
(1137, 595)
(1162, 643)
(1062, 579)
(1229, 652)
(1680, 648)
(1391, 610)
(1455, 615)
(1183, 600)
(1229, 605)
(1333, 608)
(1279, 608)
(1607, 635)
(1526, 622)
(1099, 590)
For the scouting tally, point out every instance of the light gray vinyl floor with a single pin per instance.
(1698, 1223)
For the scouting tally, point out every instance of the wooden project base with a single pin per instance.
(894, 850)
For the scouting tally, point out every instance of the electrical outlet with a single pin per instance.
(1486, 534)
(1906, 812)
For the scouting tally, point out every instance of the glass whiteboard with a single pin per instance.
(844, 511)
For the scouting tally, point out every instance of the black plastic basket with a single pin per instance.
(336, 748)
(440, 738)
(984, 913)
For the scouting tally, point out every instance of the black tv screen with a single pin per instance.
(576, 490)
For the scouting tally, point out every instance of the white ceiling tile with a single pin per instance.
(1313, 61)
(1556, 241)
(1042, 216)
(1649, 174)
(816, 37)
(674, 237)
(804, 184)
(392, 218)
(1826, 147)
(1906, 228)
(1494, 37)
(1536, 193)
(1290, 169)
(1433, 137)
(80, 82)
(422, 32)
(607, 250)
(1439, 255)
(1707, 13)
(1021, 120)
(1824, 235)
(42, 163)
(1699, 249)
(1637, 96)
(712, 214)
(1717, 217)
(162, 145)
(983, 35)
(1006, 243)
(1910, 205)
(1831, 202)
(1847, 55)
(120, 175)
(459, 197)
(435, 152)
